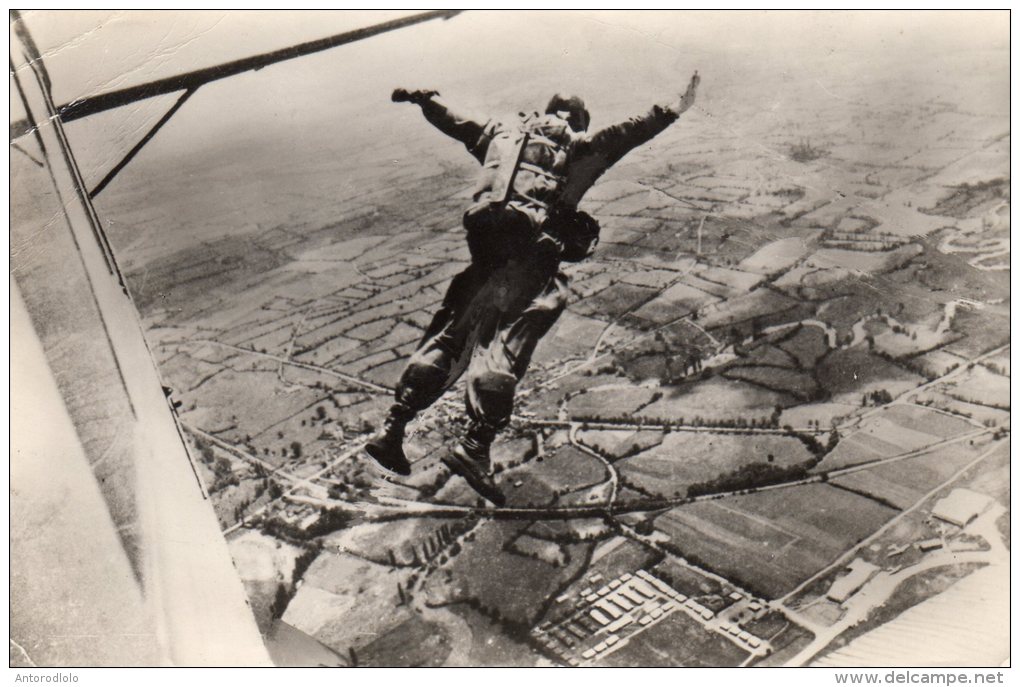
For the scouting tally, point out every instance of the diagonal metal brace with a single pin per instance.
(90, 105)
(141, 144)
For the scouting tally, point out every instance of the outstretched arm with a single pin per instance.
(613, 142)
(468, 131)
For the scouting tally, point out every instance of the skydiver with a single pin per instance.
(524, 221)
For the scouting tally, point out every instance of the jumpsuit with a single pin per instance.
(493, 316)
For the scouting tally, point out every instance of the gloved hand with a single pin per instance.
(402, 95)
(687, 99)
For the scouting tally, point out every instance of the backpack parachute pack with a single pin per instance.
(519, 189)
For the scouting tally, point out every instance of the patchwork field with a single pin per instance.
(714, 401)
(981, 386)
(342, 596)
(658, 647)
(517, 584)
(684, 458)
(902, 483)
(767, 544)
(894, 431)
(620, 443)
(545, 478)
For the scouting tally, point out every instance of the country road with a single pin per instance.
(391, 508)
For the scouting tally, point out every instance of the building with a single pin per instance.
(860, 571)
(620, 601)
(632, 596)
(618, 625)
(643, 589)
(609, 609)
(961, 507)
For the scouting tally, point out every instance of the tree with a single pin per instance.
(295, 448)
(833, 439)
(280, 601)
(222, 467)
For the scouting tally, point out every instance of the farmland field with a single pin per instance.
(413, 643)
(740, 308)
(621, 400)
(686, 581)
(673, 303)
(769, 545)
(776, 256)
(517, 585)
(980, 385)
(565, 470)
(677, 641)
(614, 301)
(489, 644)
(902, 483)
(619, 443)
(341, 597)
(737, 281)
(807, 345)
(766, 353)
(775, 379)
(928, 421)
(715, 400)
(684, 458)
(876, 483)
(895, 431)
(852, 372)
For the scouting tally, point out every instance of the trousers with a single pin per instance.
(490, 321)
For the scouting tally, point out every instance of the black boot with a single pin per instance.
(387, 447)
(471, 461)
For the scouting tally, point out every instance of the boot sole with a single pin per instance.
(460, 467)
(402, 469)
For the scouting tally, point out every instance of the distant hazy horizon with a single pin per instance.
(288, 142)
(494, 61)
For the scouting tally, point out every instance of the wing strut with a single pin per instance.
(189, 82)
(138, 146)
(76, 109)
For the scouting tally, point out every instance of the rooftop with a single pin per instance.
(961, 506)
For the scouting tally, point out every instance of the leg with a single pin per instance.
(431, 370)
(442, 352)
(496, 366)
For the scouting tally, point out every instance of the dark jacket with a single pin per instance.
(589, 154)
(518, 204)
